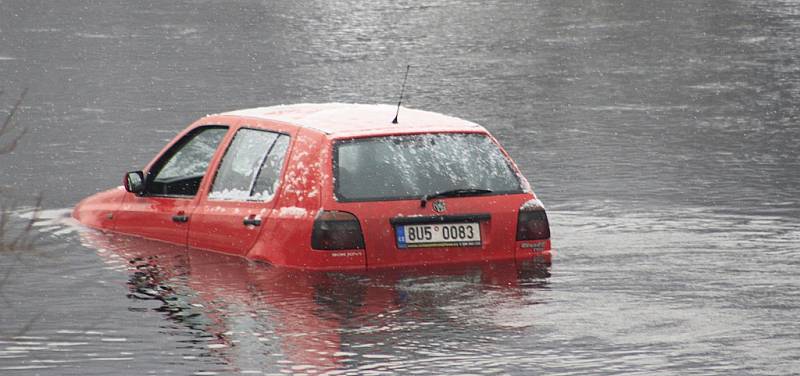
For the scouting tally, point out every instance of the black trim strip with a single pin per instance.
(339, 198)
(440, 219)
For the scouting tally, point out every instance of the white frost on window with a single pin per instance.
(230, 194)
(413, 166)
(262, 196)
(247, 168)
(192, 158)
(240, 195)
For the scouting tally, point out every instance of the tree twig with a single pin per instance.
(8, 125)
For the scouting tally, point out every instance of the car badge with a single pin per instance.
(438, 206)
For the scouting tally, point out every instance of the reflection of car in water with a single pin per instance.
(244, 311)
(332, 187)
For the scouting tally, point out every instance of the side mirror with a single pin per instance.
(134, 182)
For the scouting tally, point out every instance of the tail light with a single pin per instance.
(532, 222)
(335, 230)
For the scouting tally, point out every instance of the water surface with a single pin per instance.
(662, 136)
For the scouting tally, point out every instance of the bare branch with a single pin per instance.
(8, 125)
(13, 143)
(25, 239)
(29, 324)
(13, 237)
(4, 220)
(7, 121)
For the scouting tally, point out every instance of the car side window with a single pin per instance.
(269, 176)
(181, 169)
(250, 169)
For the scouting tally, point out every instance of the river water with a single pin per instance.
(662, 135)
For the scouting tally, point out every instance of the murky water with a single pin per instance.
(663, 136)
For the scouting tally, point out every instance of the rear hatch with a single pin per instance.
(430, 199)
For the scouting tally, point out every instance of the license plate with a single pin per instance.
(439, 235)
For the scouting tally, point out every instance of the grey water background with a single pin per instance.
(662, 135)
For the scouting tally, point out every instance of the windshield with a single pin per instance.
(406, 167)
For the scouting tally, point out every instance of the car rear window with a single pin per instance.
(412, 166)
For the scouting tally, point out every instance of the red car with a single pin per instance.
(332, 187)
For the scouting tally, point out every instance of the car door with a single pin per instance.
(230, 217)
(163, 210)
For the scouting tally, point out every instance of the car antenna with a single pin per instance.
(402, 91)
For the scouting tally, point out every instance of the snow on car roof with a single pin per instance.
(335, 118)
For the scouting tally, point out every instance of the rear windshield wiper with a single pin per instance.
(454, 193)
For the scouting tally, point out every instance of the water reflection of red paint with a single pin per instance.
(300, 314)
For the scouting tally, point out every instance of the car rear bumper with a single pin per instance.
(354, 260)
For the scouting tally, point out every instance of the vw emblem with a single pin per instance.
(438, 206)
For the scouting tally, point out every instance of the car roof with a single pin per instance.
(354, 119)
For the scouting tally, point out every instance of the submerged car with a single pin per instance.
(332, 187)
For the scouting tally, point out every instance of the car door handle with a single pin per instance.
(180, 218)
(252, 221)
